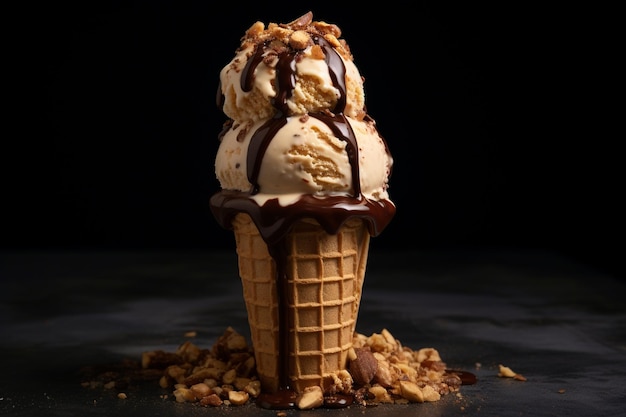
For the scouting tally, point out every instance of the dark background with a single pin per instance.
(496, 115)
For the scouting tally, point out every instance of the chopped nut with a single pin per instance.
(122, 396)
(377, 342)
(301, 22)
(383, 373)
(300, 40)
(406, 370)
(411, 391)
(229, 342)
(364, 366)
(389, 337)
(201, 390)
(255, 30)
(436, 366)
(452, 380)
(247, 367)
(238, 397)
(311, 397)
(279, 33)
(183, 395)
(427, 354)
(229, 376)
(240, 383)
(324, 28)
(506, 372)
(211, 382)
(430, 394)
(176, 373)
(332, 39)
(253, 388)
(188, 351)
(351, 354)
(226, 389)
(200, 375)
(211, 400)
(380, 394)
(380, 370)
(342, 382)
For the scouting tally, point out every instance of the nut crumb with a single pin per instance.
(296, 35)
(364, 366)
(506, 372)
(380, 371)
(238, 397)
(312, 397)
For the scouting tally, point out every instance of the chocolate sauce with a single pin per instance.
(247, 74)
(337, 73)
(279, 400)
(286, 76)
(275, 221)
(259, 142)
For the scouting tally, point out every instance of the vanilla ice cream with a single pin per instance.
(305, 157)
(324, 76)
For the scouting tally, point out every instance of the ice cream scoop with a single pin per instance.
(304, 174)
(304, 155)
(298, 68)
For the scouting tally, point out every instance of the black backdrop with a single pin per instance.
(496, 115)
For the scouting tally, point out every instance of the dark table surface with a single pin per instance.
(558, 323)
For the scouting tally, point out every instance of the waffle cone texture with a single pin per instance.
(324, 282)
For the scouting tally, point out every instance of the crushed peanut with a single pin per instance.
(506, 372)
(296, 34)
(380, 370)
(312, 397)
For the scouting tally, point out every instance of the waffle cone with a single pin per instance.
(324, 281)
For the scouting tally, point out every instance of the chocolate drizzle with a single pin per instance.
(286, 76)
(336, 70)
(258, 145)
(273, 220)
(247, 74)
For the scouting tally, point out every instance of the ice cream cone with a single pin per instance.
(324, 278)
